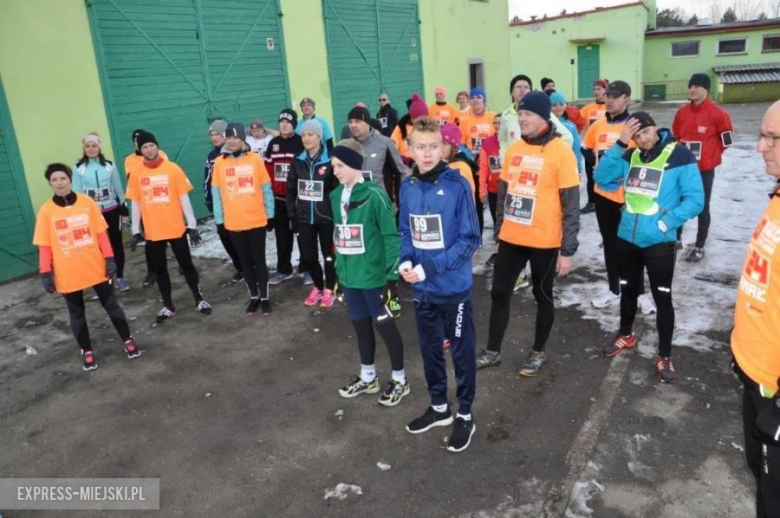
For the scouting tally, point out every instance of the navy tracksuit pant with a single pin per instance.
(455, 322)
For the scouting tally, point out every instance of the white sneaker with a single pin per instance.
(646, 304)
(605, 299)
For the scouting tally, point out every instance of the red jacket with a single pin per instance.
(489, 166)
(706, 130)
(278, 159)
(574, 115)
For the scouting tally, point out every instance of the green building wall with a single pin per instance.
(457, 31)
(545, 48)
(51, 82)
(660, 67)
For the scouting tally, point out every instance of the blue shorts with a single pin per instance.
(364, 303)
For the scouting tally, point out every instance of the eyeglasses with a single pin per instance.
(769, 140)
(382, 100)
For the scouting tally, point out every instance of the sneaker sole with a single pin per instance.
(458, 450)
(326, 306)
(135, 355)
(311, 305)
(91, 368)
(356, 394)
(489, 366)
(274, 282)
(442, 422)
(615, 353)
(528, 374)
(390, 403)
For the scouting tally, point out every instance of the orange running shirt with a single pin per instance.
(475, 128)
(133, 161)
(599, 137)
(158, 191)
(241, 181)
(402, 143)
(533, 215)
(445, 113)
(72, 232)
(755, 341)
(593, 112)
(465, 171)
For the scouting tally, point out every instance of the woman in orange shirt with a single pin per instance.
(75, 254)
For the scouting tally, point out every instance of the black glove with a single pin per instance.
(123, 210)
(110, 267)
(195, 239)
(338, 293)
(294, 226)
(137, 238)
(270, 225)
(389, 292)
(47, 279)
(768, 421)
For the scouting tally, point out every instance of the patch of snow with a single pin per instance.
(342, 491)
(583, 492)
(383, 466)
(737, 446)
(31, 351)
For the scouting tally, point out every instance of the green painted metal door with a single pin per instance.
(17, 255)
(172, 67)
(655, 92)
(373, 47)
(587, 69)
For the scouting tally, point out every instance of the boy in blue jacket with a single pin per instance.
(439, 235)
(663, 190)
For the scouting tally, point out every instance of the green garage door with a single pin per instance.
(172, 67)
(17, 255)
(373, 47)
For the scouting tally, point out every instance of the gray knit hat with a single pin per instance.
(218, 126)
(313, 126)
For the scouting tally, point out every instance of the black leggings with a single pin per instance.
(492, 199)
(78, 318)
(181, 250)
(387, 329)
(659, 260)
(114, 222)
(284, 238)
(250, 247)
(510, 261)
(707, 178)
(590, 165)
(310, 258)
(608, 218)
(229, 248)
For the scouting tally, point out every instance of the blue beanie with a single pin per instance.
(557, 98)
(478, 91)
(538, 103)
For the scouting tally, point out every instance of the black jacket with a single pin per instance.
(311, 178)
(388, 119)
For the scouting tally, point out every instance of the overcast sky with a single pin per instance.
(702, 8)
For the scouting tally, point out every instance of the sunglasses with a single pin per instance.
(382, 100)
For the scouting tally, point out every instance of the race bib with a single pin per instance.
(426, 231)
(383, 122)
(476, 144)
(368, 176)
(310, 190)
(495, 163)
(280, 172)
(695, 148)
(642, 186)
(349, 239)
(519, 209)
(98, 194)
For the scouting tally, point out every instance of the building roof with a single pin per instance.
(574, 15)
(740, 74)
(716, 27)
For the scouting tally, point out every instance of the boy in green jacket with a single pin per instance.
(367, 247)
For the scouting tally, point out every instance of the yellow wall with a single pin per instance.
(454, 31)
(307, 55)
(50, 75)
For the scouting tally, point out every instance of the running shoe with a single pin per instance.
(357, 386)
(533, 364)
(646, 304)
(620, 343)
(430, 419)
(486, 359)
(253, 306)
(132, 350)
(394, 393)
(695, 255)
(461, 435)
(307, 280)
(265, 307)
(204, 307)
(150, 279)
(327, 299)
(165, 313)
(665, 369)
(588, 208)
(94, 296)
(89, 362)
(521, 283)
(237, 277)
(122, 284)
(279, 278)
(606, 299)
(314, 298)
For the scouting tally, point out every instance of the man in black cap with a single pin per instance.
(547, 84)
(705, 129)
(278, 156)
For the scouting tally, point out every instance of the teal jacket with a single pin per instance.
(99, 182)
(370, 207)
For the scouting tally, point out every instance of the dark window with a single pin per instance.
(738, 46)
(685, 48)
(771, 43)
(476, 75)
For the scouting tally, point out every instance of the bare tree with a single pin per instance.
(747, 9)
(715, 11)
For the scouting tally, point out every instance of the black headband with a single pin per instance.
(349, 156)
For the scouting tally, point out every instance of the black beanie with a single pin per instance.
(289, 115)
(235, 129)
(538, 103)
(644, 119)
(144, 138)
(517, 78)
(700, 79)
(349, 156)
(135, 134)
(546, 81)
(360, 113)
